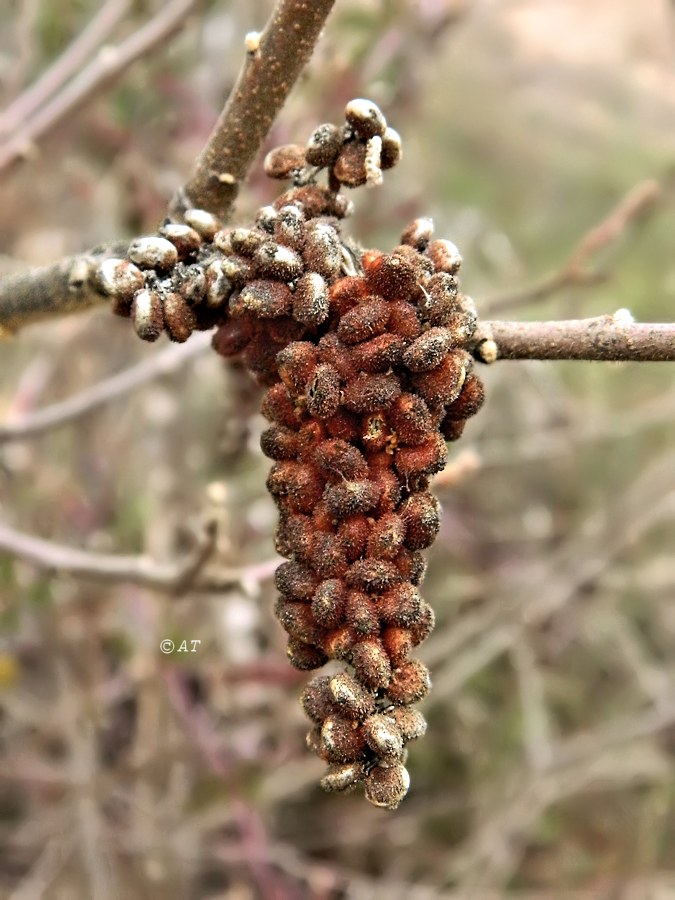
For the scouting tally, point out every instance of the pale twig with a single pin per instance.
(165, 362)
(104, 70)
(638, 202)
(473, 644)
(535, 718)
(65, 66)
(271, 67)
(139, 570)
(603, 338)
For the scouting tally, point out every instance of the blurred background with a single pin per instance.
(547, 770)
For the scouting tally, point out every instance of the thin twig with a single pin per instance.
(104, 70)
(139, 570)
(603, 338)
(265, 81)
(65, 66)
(636, 204)
(168, 360)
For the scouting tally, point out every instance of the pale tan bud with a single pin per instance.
(153, 253)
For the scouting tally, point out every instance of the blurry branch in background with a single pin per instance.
(267, 77)
(90, 39)
(109, 64)
(633, 207)
(165, 362)
(477, 639)
(492, 855)
(170, 578)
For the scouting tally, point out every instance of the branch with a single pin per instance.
(163, 363)
(636, 204)
(605, 338)
(65, 287)
(103, 71)
(267, 76)
(173, 578)
(265, 81)
(67, 64)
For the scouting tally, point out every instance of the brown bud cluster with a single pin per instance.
(365, 357)
(358, 411)
(353, 155)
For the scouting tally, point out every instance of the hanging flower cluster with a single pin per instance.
(365, 356)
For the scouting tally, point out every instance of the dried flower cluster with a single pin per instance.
(366, 363)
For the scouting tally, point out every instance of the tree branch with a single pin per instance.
(65, 287)
(101, 72)
(63, 68)
(265, 81)
(173, 578)
(159, 364)
(605, 338)
(633, 207)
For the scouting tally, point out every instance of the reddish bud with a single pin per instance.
(338, 458)
(361, 614)
(386, 537)
(278, 407)
(421, 513)
(328, 603)
(278, 442)
(342, 740)
(296, 582)
(442, 385)
(367, 393)
(353, 533)
(378, 354)
(330, 559)
(323, 392)
(283, 162)
(310, 300)
(428, 350)
(363, 322)
(350, 695)
(400, 605)
(470, 400)
(372, 574)
(304, 656)
(346, 293)
(297, 363)
(349, 497)
(392, 277)
(409, 683)
(424, 459)
(386, 787)
(317, 699)
(403, 320)
(409, 416)
(371, 663)
(296, 483)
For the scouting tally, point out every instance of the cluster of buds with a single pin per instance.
(353, 155)
(360, 415)
(365, 357)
